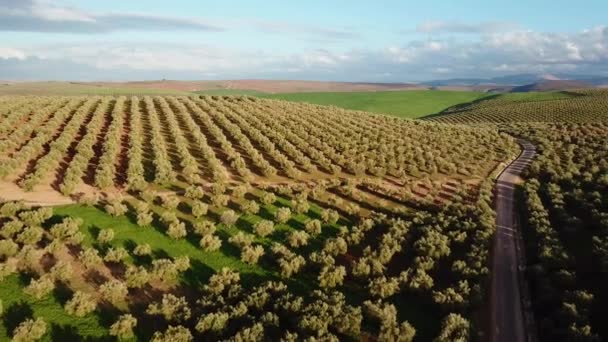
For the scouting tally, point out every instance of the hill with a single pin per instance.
(562, 106)
(232, 216)
(552, 85)
(173, 87)
(404, 104)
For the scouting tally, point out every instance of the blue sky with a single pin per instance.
(385, 41)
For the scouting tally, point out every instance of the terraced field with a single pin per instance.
(235, 217)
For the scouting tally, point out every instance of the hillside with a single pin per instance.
(552, 85)
(218, 215)
(562, 204)
(564, 106)
(173, 87)
(404, 104)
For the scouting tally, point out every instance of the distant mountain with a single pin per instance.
(552, 85)
(521, 80)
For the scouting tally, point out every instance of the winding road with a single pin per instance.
(508, 320)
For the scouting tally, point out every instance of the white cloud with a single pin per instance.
(45, 16)
(460, 27)
(7, 52)
(488, 55)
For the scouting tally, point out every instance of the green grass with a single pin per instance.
(19, 306)
(60, 326)
(404, 104)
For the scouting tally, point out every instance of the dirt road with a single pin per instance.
(507, 318)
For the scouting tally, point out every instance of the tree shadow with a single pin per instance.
(62, 293)
(15, 314)
(228, 248)
(197, 275)
(69, 333)
(160, 254)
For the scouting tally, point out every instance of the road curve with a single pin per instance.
(508, 323)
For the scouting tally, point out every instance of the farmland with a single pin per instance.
(214, 217)
(404, 104)
(565, 106)
(562, 203)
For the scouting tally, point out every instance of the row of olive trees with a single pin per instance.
(84, 150)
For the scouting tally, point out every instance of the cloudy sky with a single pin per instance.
(383, 40)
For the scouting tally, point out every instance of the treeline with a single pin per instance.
(566, 206)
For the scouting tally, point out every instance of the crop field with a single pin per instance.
(563, 204)
(567, 106)
(403, 104)
(234, 217)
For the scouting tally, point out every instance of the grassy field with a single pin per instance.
(404, 104)
(18, 305)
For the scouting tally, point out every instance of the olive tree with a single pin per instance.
(454, 328)
(80, 304)
(89, 257)
(173, 334)
(41, 287)
(210, 243)
(114, 291)
(250, 254)
(123, 327)
(199, 209)
(172, 308)
(229, 217)
(105, 236)
(29, 330)
(298, 238)
(282, 215)
(264, 228)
